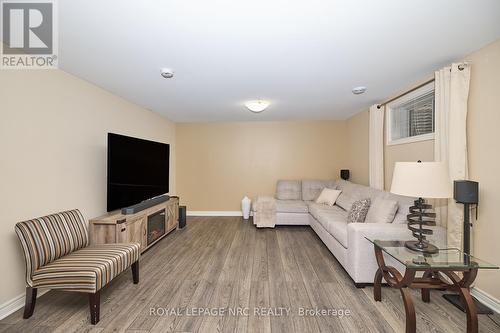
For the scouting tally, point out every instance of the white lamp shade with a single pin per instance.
(422, 180)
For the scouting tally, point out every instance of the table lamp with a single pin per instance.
(420, 180)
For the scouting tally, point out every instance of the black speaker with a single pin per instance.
(344, 174)
(182, 216)
(466, 191)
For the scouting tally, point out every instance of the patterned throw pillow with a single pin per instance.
(358, 211)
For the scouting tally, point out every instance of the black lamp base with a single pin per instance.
(455, 300)
(423, 247)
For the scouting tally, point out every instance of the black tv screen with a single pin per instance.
(137, 170)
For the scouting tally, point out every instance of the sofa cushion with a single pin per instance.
(401, 214)
(291, 206)
(356, 191)
(404, 204)
(311, 189)
(288, 190)
(88, 269)
(345, 201)
(382, 211)
(333, 219)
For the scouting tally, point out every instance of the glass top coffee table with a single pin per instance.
(439, 272)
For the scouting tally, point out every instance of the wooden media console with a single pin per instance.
(145, 227)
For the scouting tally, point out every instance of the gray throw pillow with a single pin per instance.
(345, 201)
(382, 211)
(358, 211)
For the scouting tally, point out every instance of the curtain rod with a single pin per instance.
(460, 67)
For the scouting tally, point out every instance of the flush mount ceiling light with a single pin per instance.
(358, 90)
(167, 73)
(257, 105)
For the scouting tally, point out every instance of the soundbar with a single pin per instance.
(145, 204)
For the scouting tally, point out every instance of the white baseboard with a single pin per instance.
(15, 304)
(486, 299)
(215, 213)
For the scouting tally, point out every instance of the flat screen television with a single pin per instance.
(137, 170)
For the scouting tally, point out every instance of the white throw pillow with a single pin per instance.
(328, 196)
(382, 211)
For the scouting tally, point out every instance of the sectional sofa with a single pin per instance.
(295, 205)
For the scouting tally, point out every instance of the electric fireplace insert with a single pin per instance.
(156, 226)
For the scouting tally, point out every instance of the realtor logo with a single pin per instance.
(29, 34)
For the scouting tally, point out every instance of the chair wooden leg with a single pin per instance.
(29, 307)
(94, 304)
(135, 272)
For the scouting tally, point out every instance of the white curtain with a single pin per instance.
(450, 144)
(376, 147)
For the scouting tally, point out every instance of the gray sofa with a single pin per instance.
(295, 206)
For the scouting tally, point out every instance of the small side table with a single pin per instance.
(445, 263)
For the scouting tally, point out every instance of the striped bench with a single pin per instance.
(58, 256)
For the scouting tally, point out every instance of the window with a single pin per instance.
(410, 118)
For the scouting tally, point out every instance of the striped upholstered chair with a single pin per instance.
(58, 256)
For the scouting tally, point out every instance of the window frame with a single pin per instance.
(401, 100)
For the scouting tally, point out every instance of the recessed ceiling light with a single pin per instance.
(257, 105)
(358, 90)
(167, 73)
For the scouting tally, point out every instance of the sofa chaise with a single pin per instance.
(295, 205)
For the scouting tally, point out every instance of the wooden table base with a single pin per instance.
(431, 279)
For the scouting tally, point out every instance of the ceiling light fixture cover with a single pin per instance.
(167, 73)
(358, 90)
(257, 105)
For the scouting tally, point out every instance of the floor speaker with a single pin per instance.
(182, 216)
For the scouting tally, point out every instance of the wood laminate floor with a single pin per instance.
(227, 264)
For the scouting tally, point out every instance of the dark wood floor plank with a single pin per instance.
(240, 295)
(278, 294)
(179, 269)
(260, 264)
(220, 299)
(312, 283)
(211, 274)
(5, 328)
(259, 299)
(279, 301)
(231, 265)
(290, 268)
(299, 300)
(178, 302)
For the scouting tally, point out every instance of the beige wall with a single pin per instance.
(53, 129)
(409, 152)
(357, 154)
(219, 163)
(484, 159)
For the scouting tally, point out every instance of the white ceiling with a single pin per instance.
(303, 56)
